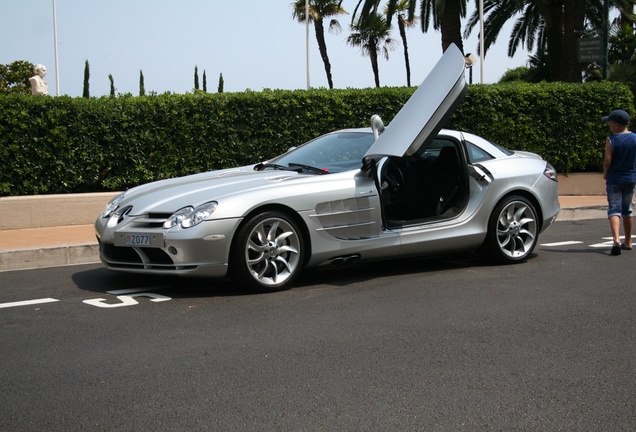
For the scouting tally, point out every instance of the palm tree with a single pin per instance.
(624, 7)
(445, 16)
(622, 56)
(318, 11)
(403, 23)
(549, 25)
(529, 29)
(372, 36)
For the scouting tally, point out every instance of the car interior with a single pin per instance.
(431, 185)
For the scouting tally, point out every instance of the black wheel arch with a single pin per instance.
(283, 209)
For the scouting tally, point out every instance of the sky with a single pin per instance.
(255, 44)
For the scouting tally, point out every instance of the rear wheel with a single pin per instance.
(267, 253)
(512, 230)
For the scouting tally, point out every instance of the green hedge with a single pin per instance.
(64, 145)
(559, 121)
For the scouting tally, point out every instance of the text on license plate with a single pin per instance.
(138, 239)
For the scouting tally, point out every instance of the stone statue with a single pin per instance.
(38, 85)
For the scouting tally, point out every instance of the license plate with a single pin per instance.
(139, 240)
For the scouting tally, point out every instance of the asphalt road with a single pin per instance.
(438, 344)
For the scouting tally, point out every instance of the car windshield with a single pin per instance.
(331, 153)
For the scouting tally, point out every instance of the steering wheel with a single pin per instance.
(393, 179)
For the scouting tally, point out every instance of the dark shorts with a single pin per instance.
(619, 199)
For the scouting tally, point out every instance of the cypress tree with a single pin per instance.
(196, 78)
(112, 84)
(205, 83)
(221, 83)
(87, 73)
(142, 89)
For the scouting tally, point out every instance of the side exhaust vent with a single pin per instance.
(343, 260)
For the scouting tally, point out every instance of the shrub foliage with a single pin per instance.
(71, 145)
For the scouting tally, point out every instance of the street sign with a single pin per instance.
(589, 50)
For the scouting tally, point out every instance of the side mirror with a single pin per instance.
(377, 125)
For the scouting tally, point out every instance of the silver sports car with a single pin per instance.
(353, 195)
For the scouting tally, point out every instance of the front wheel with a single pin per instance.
(267, 253)
(512, 230)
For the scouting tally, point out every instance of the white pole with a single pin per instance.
(307, 40)
(481, 40)
(57, 69)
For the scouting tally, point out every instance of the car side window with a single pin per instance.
(433, 150)
(475, 154)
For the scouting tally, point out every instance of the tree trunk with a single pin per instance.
(373, 55)
(451, 25)
(573, 22)
(554, 34)
(407, 64)
(322, 47)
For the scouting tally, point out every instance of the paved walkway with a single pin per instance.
(76, 244)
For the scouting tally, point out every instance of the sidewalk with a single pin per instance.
(28, 248)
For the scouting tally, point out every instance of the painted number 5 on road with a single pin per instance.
(126, 298)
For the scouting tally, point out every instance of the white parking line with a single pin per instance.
(607, 244)
(134, 290)
(27, 302)
(565, 243)
(622, 237)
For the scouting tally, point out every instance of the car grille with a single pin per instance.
(140, 258)
(150, 220)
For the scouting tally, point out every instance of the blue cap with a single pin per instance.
(618, 116)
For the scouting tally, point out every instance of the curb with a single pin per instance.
(52, 256)
(582, 213)
(88, 252)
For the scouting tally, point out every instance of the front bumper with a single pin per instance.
(202, 250)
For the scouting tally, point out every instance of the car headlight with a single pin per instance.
(199, 214)
(112, 205)
(178, 217)
(188, 217)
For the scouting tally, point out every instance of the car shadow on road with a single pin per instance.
(579, 251)
(102, 280)
(346, 275)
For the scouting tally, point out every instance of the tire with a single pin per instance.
(268, 253)
(512, 230)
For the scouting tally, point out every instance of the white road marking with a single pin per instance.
(564, 243)
(27, 302)
(133, 290)
(603, 245)
(608, 243)
(126, 297)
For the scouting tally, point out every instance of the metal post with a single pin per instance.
(605, 38)
(307, 40)
(57, 69)
(481, 40)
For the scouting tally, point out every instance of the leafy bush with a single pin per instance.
(63, 144)
(559, 121)
(14, 77)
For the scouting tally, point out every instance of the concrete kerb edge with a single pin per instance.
(45, 211)
(53, 256)
(582, 213)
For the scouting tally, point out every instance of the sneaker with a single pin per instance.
(624, 247)
(616, 249)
